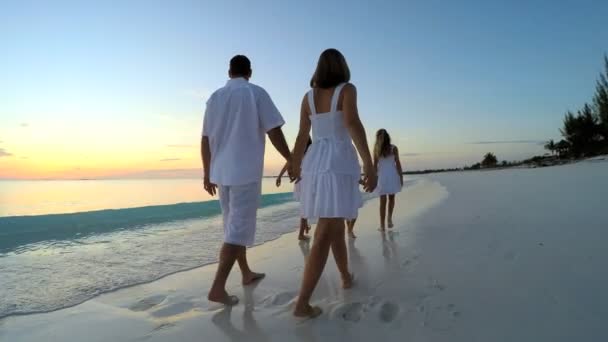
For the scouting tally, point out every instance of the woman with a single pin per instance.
(330, 172)
(304, 226)
(390, 174)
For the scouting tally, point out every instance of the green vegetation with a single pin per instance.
(586, 132)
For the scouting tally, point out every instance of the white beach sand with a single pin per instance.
(511, 255)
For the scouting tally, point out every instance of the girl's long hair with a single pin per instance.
(382, 148)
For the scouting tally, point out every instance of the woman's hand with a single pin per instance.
(294, 173)
(370, 180)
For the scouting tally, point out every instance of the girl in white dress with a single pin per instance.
(304, 226)
(390, 174)
(330, 171)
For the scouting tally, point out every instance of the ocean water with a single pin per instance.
(64, 242)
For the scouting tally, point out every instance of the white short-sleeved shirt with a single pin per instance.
(237, 118)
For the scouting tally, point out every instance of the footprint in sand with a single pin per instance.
(436, 285)
(351, 312)
(441, 318)
(147, 303)
(388, 312)
(173, 309)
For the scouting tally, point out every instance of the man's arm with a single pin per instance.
(206, 158)
(277, 138)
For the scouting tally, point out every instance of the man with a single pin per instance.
(237, 118)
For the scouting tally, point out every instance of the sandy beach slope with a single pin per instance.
(511, 255)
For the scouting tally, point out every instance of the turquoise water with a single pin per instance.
(17, 231)
(64, 242)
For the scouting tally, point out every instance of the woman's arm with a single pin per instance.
(398, 163)
(357, 133)
(302, 139)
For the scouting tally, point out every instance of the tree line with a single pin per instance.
(585, 133)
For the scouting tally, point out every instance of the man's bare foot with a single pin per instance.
(303, 238)
(351, 234)
(308, 311)
(252, 278)
(390, 224)
(347, 282)
(223, 298)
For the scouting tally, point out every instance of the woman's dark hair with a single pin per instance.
(240, 66)
(382, 148)
(331, 70)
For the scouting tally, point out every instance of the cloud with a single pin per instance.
(24, 124)
(495, 142)
(170, 159)
(181, 146)
(4, 153)
(201, 94)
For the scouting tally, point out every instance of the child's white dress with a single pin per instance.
(389, 182)
(330, 169)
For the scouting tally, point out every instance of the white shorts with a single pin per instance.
(239, 207)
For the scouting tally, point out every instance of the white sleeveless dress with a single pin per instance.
(330, 169)
(389, 182)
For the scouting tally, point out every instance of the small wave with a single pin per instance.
(16, 231)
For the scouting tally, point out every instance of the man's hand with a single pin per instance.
(209, 187)
(278, 182)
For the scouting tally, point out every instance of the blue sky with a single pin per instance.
(113, 87)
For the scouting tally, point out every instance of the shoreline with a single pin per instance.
(494, 257)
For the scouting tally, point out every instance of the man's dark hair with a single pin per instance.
(240, 66)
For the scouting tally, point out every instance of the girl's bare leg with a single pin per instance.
(382, 211)
(391, 206)
(350, 224)
(315, 263)
(338, 248)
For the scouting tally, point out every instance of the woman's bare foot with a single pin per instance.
(390, 224)
(303, 238)
(381, 228)
(252, 278)
(223, 298)
(347, 282)
(308, 311)
(307, 228)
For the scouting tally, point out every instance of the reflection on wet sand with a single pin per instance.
(251, 330)
(390, 250)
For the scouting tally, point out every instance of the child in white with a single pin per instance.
(390, 174)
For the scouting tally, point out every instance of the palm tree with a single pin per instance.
(562, 148)
(489, 160)
(550, 145)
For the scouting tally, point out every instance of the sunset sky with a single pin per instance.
(117, 89)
